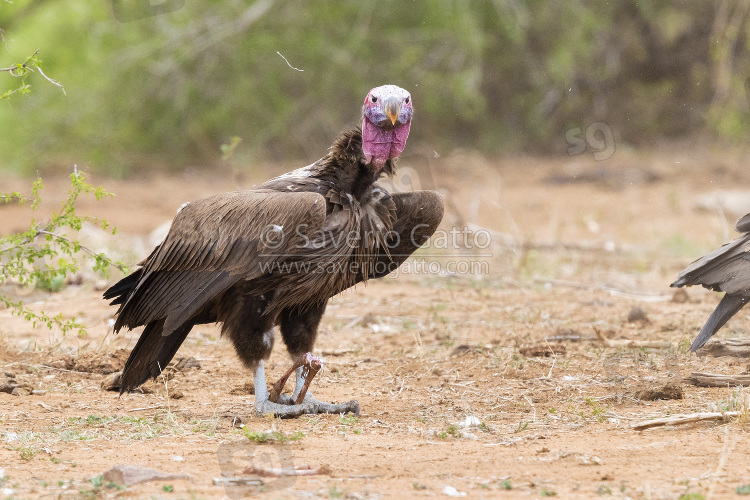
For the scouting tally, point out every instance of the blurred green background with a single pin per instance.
(162, 85)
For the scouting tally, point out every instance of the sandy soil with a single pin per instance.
(452, 399)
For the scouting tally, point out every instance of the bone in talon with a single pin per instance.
(313, 364)
(306, 359)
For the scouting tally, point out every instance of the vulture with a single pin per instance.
(273, 256)
(726, 269)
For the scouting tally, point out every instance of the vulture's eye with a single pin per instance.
(407, 100)
(374, 99)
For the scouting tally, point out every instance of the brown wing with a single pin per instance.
(212, 244)
(418, 215)
(726, 269)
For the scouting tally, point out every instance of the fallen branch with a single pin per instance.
(717, 380)
(237, 481)
(649, 344)
(301, 470)
(684, 419)
(736, 348)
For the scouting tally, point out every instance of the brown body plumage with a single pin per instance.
(269, 256)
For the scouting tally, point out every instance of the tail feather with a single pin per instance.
(727, 308)
(152, 354)
(120, 290)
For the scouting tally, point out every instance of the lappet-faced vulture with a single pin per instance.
(726, 269)
(274, 255)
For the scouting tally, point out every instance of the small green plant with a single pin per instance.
(604, 490)
(27, 452)
(522, 426)
(97, 481)
(452, 430)
(348, 420)
(418, 486)
(743, 490)
(692, 496)
(44, 255)
(168, 488)
(548, 493)
(272, 436)
(334, 492)
(597, 411)
(505, 485)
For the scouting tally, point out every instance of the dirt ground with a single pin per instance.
(452, 365)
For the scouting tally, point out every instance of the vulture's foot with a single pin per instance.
(286, 407)
(264, 407)
(321, 406)
(301, 402)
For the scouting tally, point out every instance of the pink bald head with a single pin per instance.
(386, 118)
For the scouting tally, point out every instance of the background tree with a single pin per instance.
(165, 88)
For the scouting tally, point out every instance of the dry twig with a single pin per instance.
(650, 344)
(736, 348)
(717, 380)
(684, 419)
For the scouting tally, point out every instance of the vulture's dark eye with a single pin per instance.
(407, 100)
(374, 99)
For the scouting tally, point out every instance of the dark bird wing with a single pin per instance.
(726, 269)
(213, 243)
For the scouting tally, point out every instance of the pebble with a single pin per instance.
(470, 421)
(453, 492)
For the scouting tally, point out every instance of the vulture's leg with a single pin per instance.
(299, 329)
(251, 333)
(418, 215)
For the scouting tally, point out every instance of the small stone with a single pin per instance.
(112, 383)
(680, 296)
(8, 386)
(176, 394)
(470, 421)
(38, 392)
(636, 314)
(129, 475)
(453, 492)
(100, 285)
(187, 363)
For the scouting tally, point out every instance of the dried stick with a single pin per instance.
(717, 380)
(651, 344)
(736, 348)
(302, 470)
(684, 419)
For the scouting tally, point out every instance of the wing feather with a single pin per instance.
(212, 244)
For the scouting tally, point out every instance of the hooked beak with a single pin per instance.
(392, 108)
